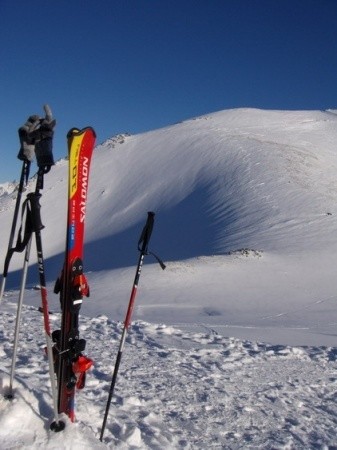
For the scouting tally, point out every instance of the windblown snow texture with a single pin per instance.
(176, 389)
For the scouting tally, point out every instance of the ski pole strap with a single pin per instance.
(30, 208)
(34, 211)
(146, 233)
(22, 241)
(160, 262)
(145, 236)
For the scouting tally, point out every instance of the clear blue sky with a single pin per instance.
(137, 65)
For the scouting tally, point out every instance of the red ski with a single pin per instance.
(71, 364)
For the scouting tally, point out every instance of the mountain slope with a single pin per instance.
(238, 179)
(242, 178)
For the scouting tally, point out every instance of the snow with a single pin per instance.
(234, 344)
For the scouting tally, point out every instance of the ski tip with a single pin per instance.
(77, 132)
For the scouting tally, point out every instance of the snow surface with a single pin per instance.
(234, 344)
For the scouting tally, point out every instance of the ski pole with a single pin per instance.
(9, 394)
(31, 207)
(37, 226)
(41, 140)
(23, 180)
(143, 249)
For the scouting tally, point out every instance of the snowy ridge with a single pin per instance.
(234, 344)
(241, 178)
(7, 194)
(220, 171)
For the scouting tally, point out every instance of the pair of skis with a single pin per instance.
(64, 347)
(72, 285)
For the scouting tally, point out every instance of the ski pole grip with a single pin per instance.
(146, 233)
(34, 200)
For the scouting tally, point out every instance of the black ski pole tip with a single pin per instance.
(58, 426)
(9, 396)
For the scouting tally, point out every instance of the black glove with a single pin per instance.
(27, 141)
(43, 137)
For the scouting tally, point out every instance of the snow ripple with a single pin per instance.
(175, 389)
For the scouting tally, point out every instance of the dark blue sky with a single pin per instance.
(137, 65)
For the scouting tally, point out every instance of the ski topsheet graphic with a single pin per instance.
(71, 364)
